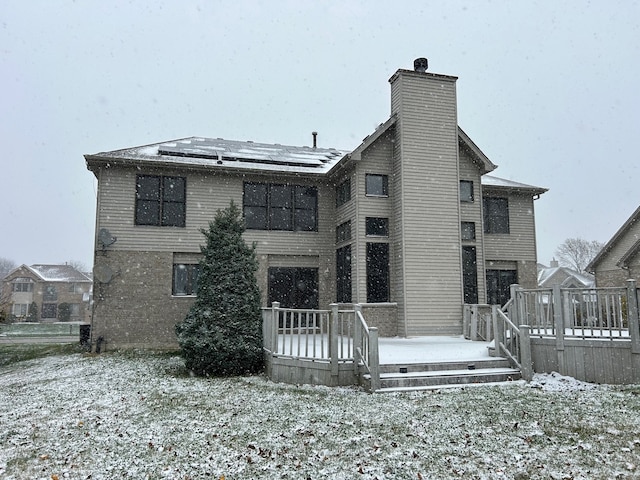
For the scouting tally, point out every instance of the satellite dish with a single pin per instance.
(105, 238)
(102, 273)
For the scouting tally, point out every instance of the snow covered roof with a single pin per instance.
(563, 276)
(59, 273)
(227, 155)
(491, 181)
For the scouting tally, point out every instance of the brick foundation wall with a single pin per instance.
(383, 316)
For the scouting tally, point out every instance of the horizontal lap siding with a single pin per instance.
(472, 212)
(377, 160)
(520, 243)
(205, 195)
(427, 136)
(608, 273)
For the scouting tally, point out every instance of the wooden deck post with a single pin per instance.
(357, 339)
(374, 359)
(498, 331)
(474, 323)
(333, 341)
(526, 362)
(275, 326)
(632, 315)
(558, 322)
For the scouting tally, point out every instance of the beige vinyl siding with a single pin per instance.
(429, 189)
(520, 242)
(608, 273)
(375, 160)
(207, 193)
(472, 212)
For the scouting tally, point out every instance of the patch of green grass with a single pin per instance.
(14, 353)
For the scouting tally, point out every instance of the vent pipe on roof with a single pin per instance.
(420, 65)
(315, 139)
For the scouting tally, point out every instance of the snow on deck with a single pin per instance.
(430, 349)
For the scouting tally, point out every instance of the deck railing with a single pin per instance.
(593, 313)
(331, 336)
(512, 342)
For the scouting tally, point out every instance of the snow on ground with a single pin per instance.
(140, 416)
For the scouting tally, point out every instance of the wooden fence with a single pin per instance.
(324, 347)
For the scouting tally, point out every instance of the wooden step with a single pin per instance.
(433, 375)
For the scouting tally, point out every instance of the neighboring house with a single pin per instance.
(48, 286)
(563, 276)
(619, 259)
(408, 221)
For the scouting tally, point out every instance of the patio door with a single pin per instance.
(498, 285)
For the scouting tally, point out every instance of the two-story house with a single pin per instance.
(409, 221)
(59, 292)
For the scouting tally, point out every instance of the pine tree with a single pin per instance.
(222, 333)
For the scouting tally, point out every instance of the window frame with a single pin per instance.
(466, 193)
(495, 211)
(190, 287)
(297, 213)
(344, 284)
(343, 192)
(369, 186)
(376, 226)
(343, 232)
(471, 226)
(171, 212)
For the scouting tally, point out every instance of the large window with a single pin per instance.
(160, 201)
(22, 284)
(496, 215)
(185, 279)
(470, 275)
(466, 191)
(343, 274)
(20, 309)
(50, 294)
(377, 226)
(377, 185)
(294, 287)
(377, 272)
(280, 207)
(498, 285)
(343, 192)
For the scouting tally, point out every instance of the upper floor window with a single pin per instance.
(377, 226)
(269, 206)
(185, 279)
(343, 192)
(343, 232)
(377, 185)
(22, 284)
(466, 191)
(50, 294)
(160, 200)
(468, 230)
(496, 215)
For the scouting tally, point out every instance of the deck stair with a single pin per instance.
(436, 375)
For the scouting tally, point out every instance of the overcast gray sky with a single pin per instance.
(548, 90)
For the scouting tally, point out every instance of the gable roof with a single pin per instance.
(477, 155)
(52, 273)
(563, 276)
(614, 240)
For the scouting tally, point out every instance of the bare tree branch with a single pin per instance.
(576, 253)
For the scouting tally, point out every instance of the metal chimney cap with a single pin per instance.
(420, 65)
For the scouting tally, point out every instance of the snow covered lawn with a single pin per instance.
(138, 416)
